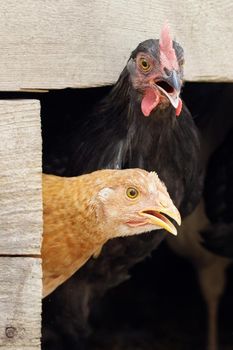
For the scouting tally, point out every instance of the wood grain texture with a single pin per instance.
(56, 44)
(20, 179)
(20, 303)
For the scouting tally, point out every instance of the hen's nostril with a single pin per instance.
(167, 72)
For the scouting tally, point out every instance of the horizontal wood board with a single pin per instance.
(54, 44)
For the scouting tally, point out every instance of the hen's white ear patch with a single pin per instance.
(105, 192)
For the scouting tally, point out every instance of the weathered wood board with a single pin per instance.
(20, 177)
(20, 303)
(20, 224)
(51, 44)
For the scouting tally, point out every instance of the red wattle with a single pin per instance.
(149, 101)
(179, 107)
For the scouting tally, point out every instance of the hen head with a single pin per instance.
(156, 73)
(134, 202)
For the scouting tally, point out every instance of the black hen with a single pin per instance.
(141, 123)
(218, 199)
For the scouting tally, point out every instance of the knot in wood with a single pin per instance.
(10, 332)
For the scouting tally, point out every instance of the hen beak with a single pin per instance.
(170, 86)
(155, 216)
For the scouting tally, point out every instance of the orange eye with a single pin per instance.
(144, 64)
(132, 193)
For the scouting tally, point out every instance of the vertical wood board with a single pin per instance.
(20, 303)
(20, 178)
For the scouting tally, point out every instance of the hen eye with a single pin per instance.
(144, 64)
(181, 63)
(132, 193)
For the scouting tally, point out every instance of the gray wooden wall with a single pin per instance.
(20, 224)
(53, 44)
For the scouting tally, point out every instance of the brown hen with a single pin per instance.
(84, 212)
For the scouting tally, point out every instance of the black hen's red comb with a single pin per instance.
(167, 52)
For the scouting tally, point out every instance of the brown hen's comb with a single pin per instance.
(166, 45)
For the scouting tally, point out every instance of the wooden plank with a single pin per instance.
(21, 224)
(20, 303)
(55, 44)
(20, 180)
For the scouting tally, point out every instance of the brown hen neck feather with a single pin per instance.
(71, 233)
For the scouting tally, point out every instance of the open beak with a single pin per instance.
(155, 216)
(170, 86)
